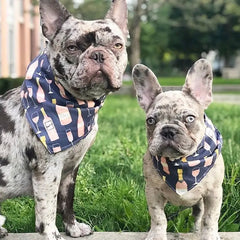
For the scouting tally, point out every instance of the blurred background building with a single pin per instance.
(20, 38)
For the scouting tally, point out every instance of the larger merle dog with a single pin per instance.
(49, 123)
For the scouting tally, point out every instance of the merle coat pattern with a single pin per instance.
(88, 58)
(175, 128)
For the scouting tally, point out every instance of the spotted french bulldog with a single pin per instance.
(48, 124)
(183, 164)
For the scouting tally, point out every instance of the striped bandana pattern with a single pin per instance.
(184, 174)
(57, 118)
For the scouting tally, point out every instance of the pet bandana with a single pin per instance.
(57, 118)
(185, 173)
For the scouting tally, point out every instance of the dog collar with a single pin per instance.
(183, 174)
(58, 119)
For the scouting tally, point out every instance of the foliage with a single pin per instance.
(8, 83)
(89, 9)
(110, 185)
(203, 25)
(179, 31)
(174, 33)
(154, 41)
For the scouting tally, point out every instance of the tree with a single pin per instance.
(204, 25)
(69, 4)
(155, 37)
(135, 32)
(139, 14)
(176, 32)
(92, 9)
(171, 34)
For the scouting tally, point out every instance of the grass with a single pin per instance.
(179, 81)
(110, 185)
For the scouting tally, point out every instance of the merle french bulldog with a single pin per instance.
(48, 124)
(183, 163)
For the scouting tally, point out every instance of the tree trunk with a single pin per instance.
(135, 33)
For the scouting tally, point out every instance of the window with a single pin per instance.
(0, 51)
(21, 9)
(11, 51)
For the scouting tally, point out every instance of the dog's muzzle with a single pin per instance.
(168, 133)
(104, 65)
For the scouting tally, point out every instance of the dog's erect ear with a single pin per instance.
(53, 15)
(146, 85)
(119, 14)
(199, 82)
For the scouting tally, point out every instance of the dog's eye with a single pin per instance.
(190, 119)
(118, 46)
(72, 48)
(151, 121)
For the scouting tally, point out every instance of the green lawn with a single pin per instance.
(179, 81)
(110, 185)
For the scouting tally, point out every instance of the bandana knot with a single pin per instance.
(57, 118)
(183, 174)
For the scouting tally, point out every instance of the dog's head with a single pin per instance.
(174, 119)
(87, 57)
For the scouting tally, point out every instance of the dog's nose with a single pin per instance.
(98, 56)
(168, 133)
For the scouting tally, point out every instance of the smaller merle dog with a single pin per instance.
(48, 124)
(183, 164)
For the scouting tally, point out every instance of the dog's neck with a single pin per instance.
(57, 118)
(185, 173)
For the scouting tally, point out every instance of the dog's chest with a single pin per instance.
(73, 156)
(193, 196)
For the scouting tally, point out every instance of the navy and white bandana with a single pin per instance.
(57, 118)
(183, 174)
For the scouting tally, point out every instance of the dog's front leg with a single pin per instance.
(45, 186)
(197, 212)
(212, 208)
(156, 204)
(65, 207)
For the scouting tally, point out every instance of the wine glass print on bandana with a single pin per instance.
(185, 173)
(56, 117)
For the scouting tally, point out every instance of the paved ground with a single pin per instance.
(226, 98)
(122, 236)
(218, 95)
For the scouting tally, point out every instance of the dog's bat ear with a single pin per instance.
(53, 15)
(199, 82)
(146, 85)
(119, 14)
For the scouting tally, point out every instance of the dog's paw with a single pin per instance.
(155, 235)
(53, 236)
(50, 232)
(3, 232)
(210, 236)
(78, 229)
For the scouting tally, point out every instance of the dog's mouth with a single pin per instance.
(93, 86)
(98, 79)
(172, 142)
(101, 75)
(170, 149)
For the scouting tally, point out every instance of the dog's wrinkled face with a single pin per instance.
(175, 125)
(174, 119)
(88, 57)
